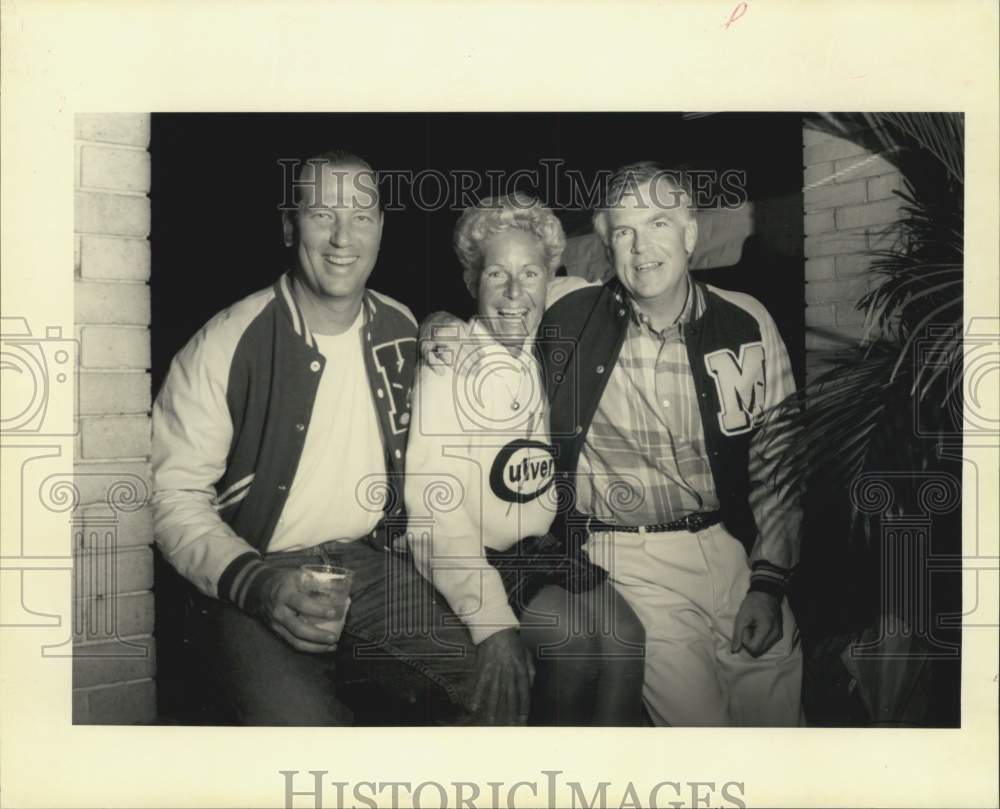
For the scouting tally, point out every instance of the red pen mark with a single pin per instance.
(738, 12)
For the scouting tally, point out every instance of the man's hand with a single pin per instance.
(758, 624)
(288, 610)
(503, 688)
(441, 335)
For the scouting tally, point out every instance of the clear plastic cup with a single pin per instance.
(331, 584)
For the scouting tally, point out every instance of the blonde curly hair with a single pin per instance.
(495, 214)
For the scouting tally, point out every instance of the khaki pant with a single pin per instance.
(686, 589)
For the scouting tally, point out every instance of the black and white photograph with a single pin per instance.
(394, 450)
(585, 502)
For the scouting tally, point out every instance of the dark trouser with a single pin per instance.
(398, 634)
(588, 644)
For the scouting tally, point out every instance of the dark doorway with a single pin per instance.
(217, 187)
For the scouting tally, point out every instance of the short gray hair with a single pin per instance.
(626, 180)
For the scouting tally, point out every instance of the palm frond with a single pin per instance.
(941, 135)
(859, 415)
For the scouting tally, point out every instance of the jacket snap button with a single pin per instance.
(300, 427)
(379, 393)
(600, 369)
(404, 419)
(399, 454)
(314, 366)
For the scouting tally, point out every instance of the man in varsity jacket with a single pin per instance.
(656, 416)
(278, 440)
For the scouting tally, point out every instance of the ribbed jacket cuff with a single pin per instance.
(770, 579)
(244, 581)
(488, 622)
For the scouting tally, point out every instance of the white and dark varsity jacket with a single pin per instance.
(230, 422)
(741, 371)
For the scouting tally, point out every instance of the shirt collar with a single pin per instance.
(694, 306)
(283, 291)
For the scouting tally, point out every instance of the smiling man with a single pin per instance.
(275, 426)
(655, 417)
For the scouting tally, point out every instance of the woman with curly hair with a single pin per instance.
(480, 496)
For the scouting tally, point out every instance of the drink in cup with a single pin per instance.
(332, 585)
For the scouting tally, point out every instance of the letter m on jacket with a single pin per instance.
(739, 381)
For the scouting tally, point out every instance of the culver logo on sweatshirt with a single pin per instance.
(522, 471)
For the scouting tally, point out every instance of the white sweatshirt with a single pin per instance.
(479, 474)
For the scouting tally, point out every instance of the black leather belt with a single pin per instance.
(692, 522)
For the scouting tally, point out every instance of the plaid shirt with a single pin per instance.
(644, 460)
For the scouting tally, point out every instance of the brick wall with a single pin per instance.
(849, 201)
(113, 651)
